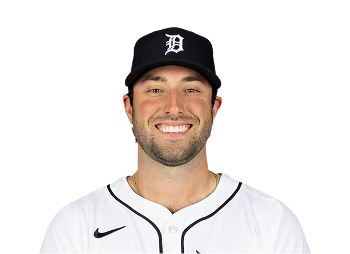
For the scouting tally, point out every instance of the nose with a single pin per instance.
(173, 105)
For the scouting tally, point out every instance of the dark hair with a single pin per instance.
(130, 94)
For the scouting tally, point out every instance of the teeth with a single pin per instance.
(175, 129)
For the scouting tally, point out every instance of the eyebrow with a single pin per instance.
(192, 78)
(153, 78)
(163, 79)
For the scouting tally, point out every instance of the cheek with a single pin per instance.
(147, 109)
(199, 108)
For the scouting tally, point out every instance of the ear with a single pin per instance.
(217, 105)
(127, 107)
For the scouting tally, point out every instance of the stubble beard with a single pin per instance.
(175, 152)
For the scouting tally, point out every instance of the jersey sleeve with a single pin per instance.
(58, 238)
(290, 236)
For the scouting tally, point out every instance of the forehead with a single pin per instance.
(172, 72)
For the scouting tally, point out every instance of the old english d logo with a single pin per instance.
(174, 43)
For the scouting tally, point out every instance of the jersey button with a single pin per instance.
(173, 229)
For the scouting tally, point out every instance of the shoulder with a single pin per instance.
(88, 205)
(263, 208)
(250, 194)
(277, 227)
(67, 231)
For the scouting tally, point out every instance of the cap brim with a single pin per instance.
(208, 74)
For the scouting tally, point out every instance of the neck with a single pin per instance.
(174, 187)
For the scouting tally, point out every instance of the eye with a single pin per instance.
(154, 90)
(191, 90)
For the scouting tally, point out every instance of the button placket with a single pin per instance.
(173, 229)
(172, 235)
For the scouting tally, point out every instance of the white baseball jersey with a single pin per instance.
(234, 218)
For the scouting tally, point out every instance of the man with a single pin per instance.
(174, 203)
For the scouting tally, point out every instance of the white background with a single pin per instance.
(19, 96)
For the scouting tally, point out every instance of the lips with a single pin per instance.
(172, 125)
(173, 128)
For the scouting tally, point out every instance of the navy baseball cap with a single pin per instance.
(173, 46)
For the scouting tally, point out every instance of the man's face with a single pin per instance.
(172, 115)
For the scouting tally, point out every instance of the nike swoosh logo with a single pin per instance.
(99, 235)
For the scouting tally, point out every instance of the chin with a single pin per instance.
(173, 157)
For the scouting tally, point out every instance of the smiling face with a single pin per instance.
(172, 114)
